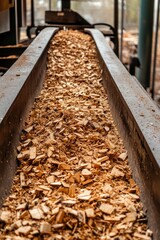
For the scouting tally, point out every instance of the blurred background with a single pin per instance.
(92, 10)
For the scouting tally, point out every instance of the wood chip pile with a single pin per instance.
(73, 181)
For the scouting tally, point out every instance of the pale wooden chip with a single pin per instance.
(116, 172)
(5, 216)
(45, 228)
(90, 213)
(36, 213)
(106, 208)
(24, 230)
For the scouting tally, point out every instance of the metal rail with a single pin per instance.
(136, 116)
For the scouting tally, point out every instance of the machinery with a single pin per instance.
(71, 19)
(136, 115)
(13, 14)
(12, 17)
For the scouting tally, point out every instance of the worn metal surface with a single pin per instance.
(18, 88)
(138, 120)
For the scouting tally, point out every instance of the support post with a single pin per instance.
(145, 42)
(32, 13)
(116, 25)
(50, 5)
(122, 28)
(155, 51)
(66, 5)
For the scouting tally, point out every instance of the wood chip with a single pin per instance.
(64, 166)
(5, 216)
(45, 228)
(86, 173)
(21, 206)
(43, 187)
(107, 129)
(57, 226)
(96, 164)
(56, 184)
(72, 191)
(36, 213)
(17, 224)
(24, 230)
(28, 129)
(60, 216)
(49, 152)
(45, 208)
(77, 177)
(107, 188)
(32, 152)
(71, 211)
(66, 185)
(24, 215)
(55, 211)
(141, 236)
(106, 208)
(85, 195)
(23, 155)
(87, 182)
(102, 159)
(112, 219)
(116, 172)
(123, 156)
(69, 202)
(22, 180)
(129, 205)
(130, 217)
(51, 179)
(82, 216)
(90, 213)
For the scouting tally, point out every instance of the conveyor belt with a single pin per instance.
(136, 115)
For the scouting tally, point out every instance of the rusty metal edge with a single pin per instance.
(138, 120)
(18, 89)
